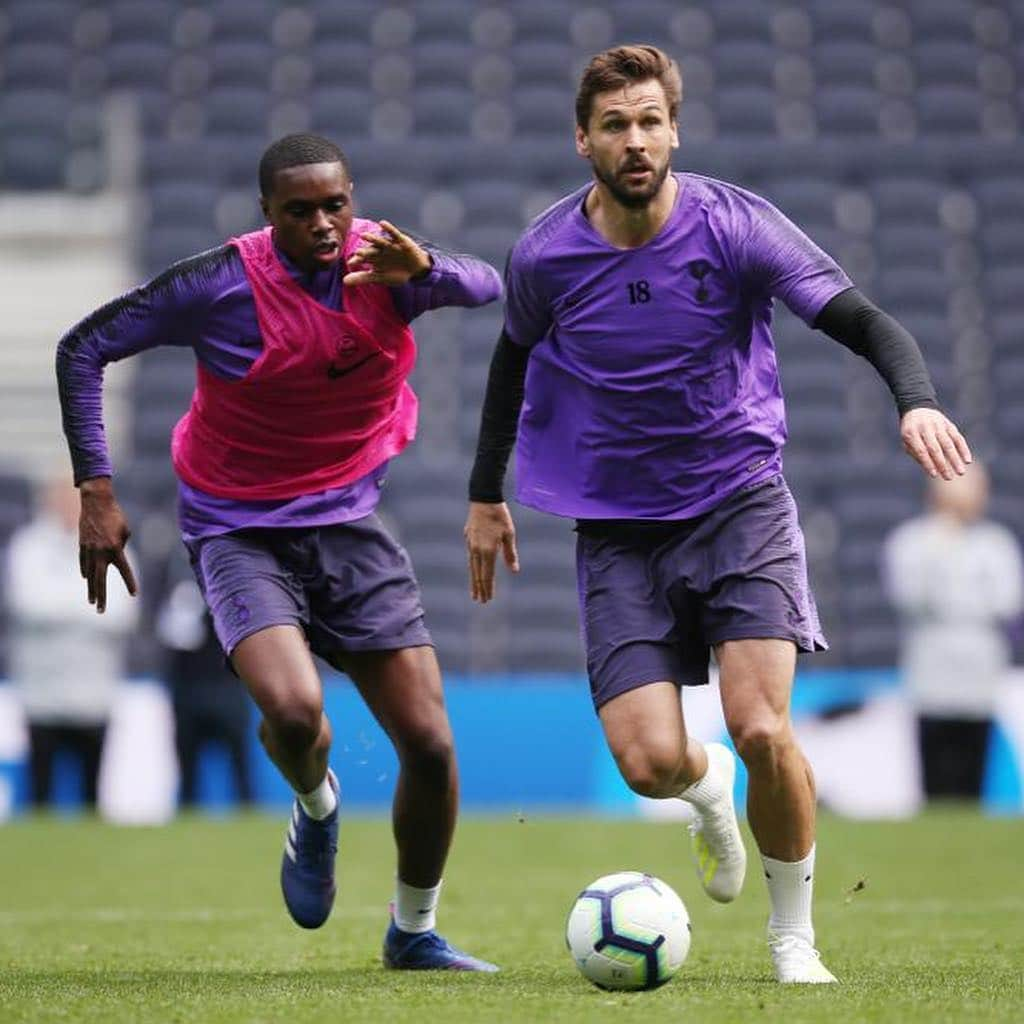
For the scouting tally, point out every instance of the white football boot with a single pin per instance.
(715, 840)
(796, 961)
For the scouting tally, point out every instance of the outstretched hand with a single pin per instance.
(488, 528)
(389, 258)
(934, 441)
(102, 534)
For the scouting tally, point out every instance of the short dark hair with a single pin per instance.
(624, 65)
(294, 151)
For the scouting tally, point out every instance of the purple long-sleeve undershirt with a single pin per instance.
(205, 303)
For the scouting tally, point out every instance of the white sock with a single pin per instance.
(790, 890)
(706, 792)
(415, 909)
(320, 802)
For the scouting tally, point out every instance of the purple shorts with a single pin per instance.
(349, 587)
(656, 596)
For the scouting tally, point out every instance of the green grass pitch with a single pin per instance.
(185, 923)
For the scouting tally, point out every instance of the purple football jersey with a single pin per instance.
(652, 390)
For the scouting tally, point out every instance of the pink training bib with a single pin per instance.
(326, 402)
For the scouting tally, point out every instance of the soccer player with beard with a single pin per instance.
(303, 348)
(636, 367)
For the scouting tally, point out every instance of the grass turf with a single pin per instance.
(185, 923)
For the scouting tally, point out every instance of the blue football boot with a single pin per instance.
(427, 951)
(307, 867)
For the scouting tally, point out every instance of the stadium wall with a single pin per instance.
(533, 745)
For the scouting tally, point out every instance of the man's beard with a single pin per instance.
(630, 199)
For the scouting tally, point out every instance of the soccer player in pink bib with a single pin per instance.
(303, 349)
(638, 328)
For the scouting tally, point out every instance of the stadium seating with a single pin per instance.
(888, 131)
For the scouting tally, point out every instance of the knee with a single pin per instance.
(295, 723)
(428, 751)
(761, 741)
(651, 769)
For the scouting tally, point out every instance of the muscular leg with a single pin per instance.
(756, 680)
(646, 734)
(403, 690)
(278, 670)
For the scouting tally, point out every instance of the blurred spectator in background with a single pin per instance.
(955, 577)
(210, 704)
(66, 661)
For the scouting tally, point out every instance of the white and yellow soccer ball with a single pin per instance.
(628, 931)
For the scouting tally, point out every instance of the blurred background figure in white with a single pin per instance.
(956, 579)
(66, 662)
(210, 703)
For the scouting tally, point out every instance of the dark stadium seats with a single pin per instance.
(733, 20)
(910, 199)
(182, 203)
(949, 111)
(495, 202)
(340, 63)
(851, 22)
(241, 63)
(942, 19)
(443, 21)
(28, 22)
(237, 20)
(141, 20)
(545, 63)
(138, 63)
(542, 22)
(33, 161)
(391, 199)
(171, 243)
(39, 65)
(442, 112)
(350, 22)
(236, 110)
(911, 246)
(341, 111)
(846, 63)
(946, 62)
(745, 110)
(808, 201)
(847, 111)
(542, 111)
(744, 63)
(441, 64)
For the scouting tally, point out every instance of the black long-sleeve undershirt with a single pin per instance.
(854, 321)
(499, 420)
(849, 318)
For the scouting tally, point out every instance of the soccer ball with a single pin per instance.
(628, 931)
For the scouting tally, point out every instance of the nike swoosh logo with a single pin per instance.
(333, 372)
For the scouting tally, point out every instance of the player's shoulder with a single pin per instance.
(717, 196)
(197, 274)
(556, 223)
